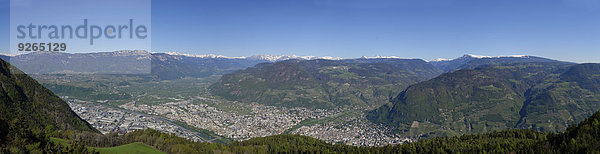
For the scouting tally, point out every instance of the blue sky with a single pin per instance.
(428, 29)
(4, 25)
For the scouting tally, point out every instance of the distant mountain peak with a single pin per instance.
(471, 61)
(131, 52)
(202, 56)
(441, 59)
(7, 54)
(271, 58)
(503, 56)
(473, 56)
(381, 57)
(115, 53)
(274, 58)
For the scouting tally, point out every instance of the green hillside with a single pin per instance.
(540, 96)
(30, 112)
(131, 148)
(23, 97)
(581, 138)
(323, 83)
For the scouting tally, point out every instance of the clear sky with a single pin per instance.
(428, 29)
(4, 26)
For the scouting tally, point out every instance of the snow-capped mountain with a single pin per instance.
(271, 58)
(381, 57)
(440, 59)
(472, 61)
(503, 56)
(202, 56)
(173, 65)
(480, 56)
(274, 58)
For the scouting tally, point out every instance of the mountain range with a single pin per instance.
(165, 66)
(323, 83)
(173, 65)
(328, 83)
(466, 95)
(470, 61)
(545, 96)
(469, 94)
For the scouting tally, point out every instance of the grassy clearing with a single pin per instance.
(131, 148)
(60, 141)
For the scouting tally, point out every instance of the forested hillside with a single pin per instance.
(540, 96)
(324, 83)
(29, 112)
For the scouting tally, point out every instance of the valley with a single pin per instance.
(186, 108)
(350, 101)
